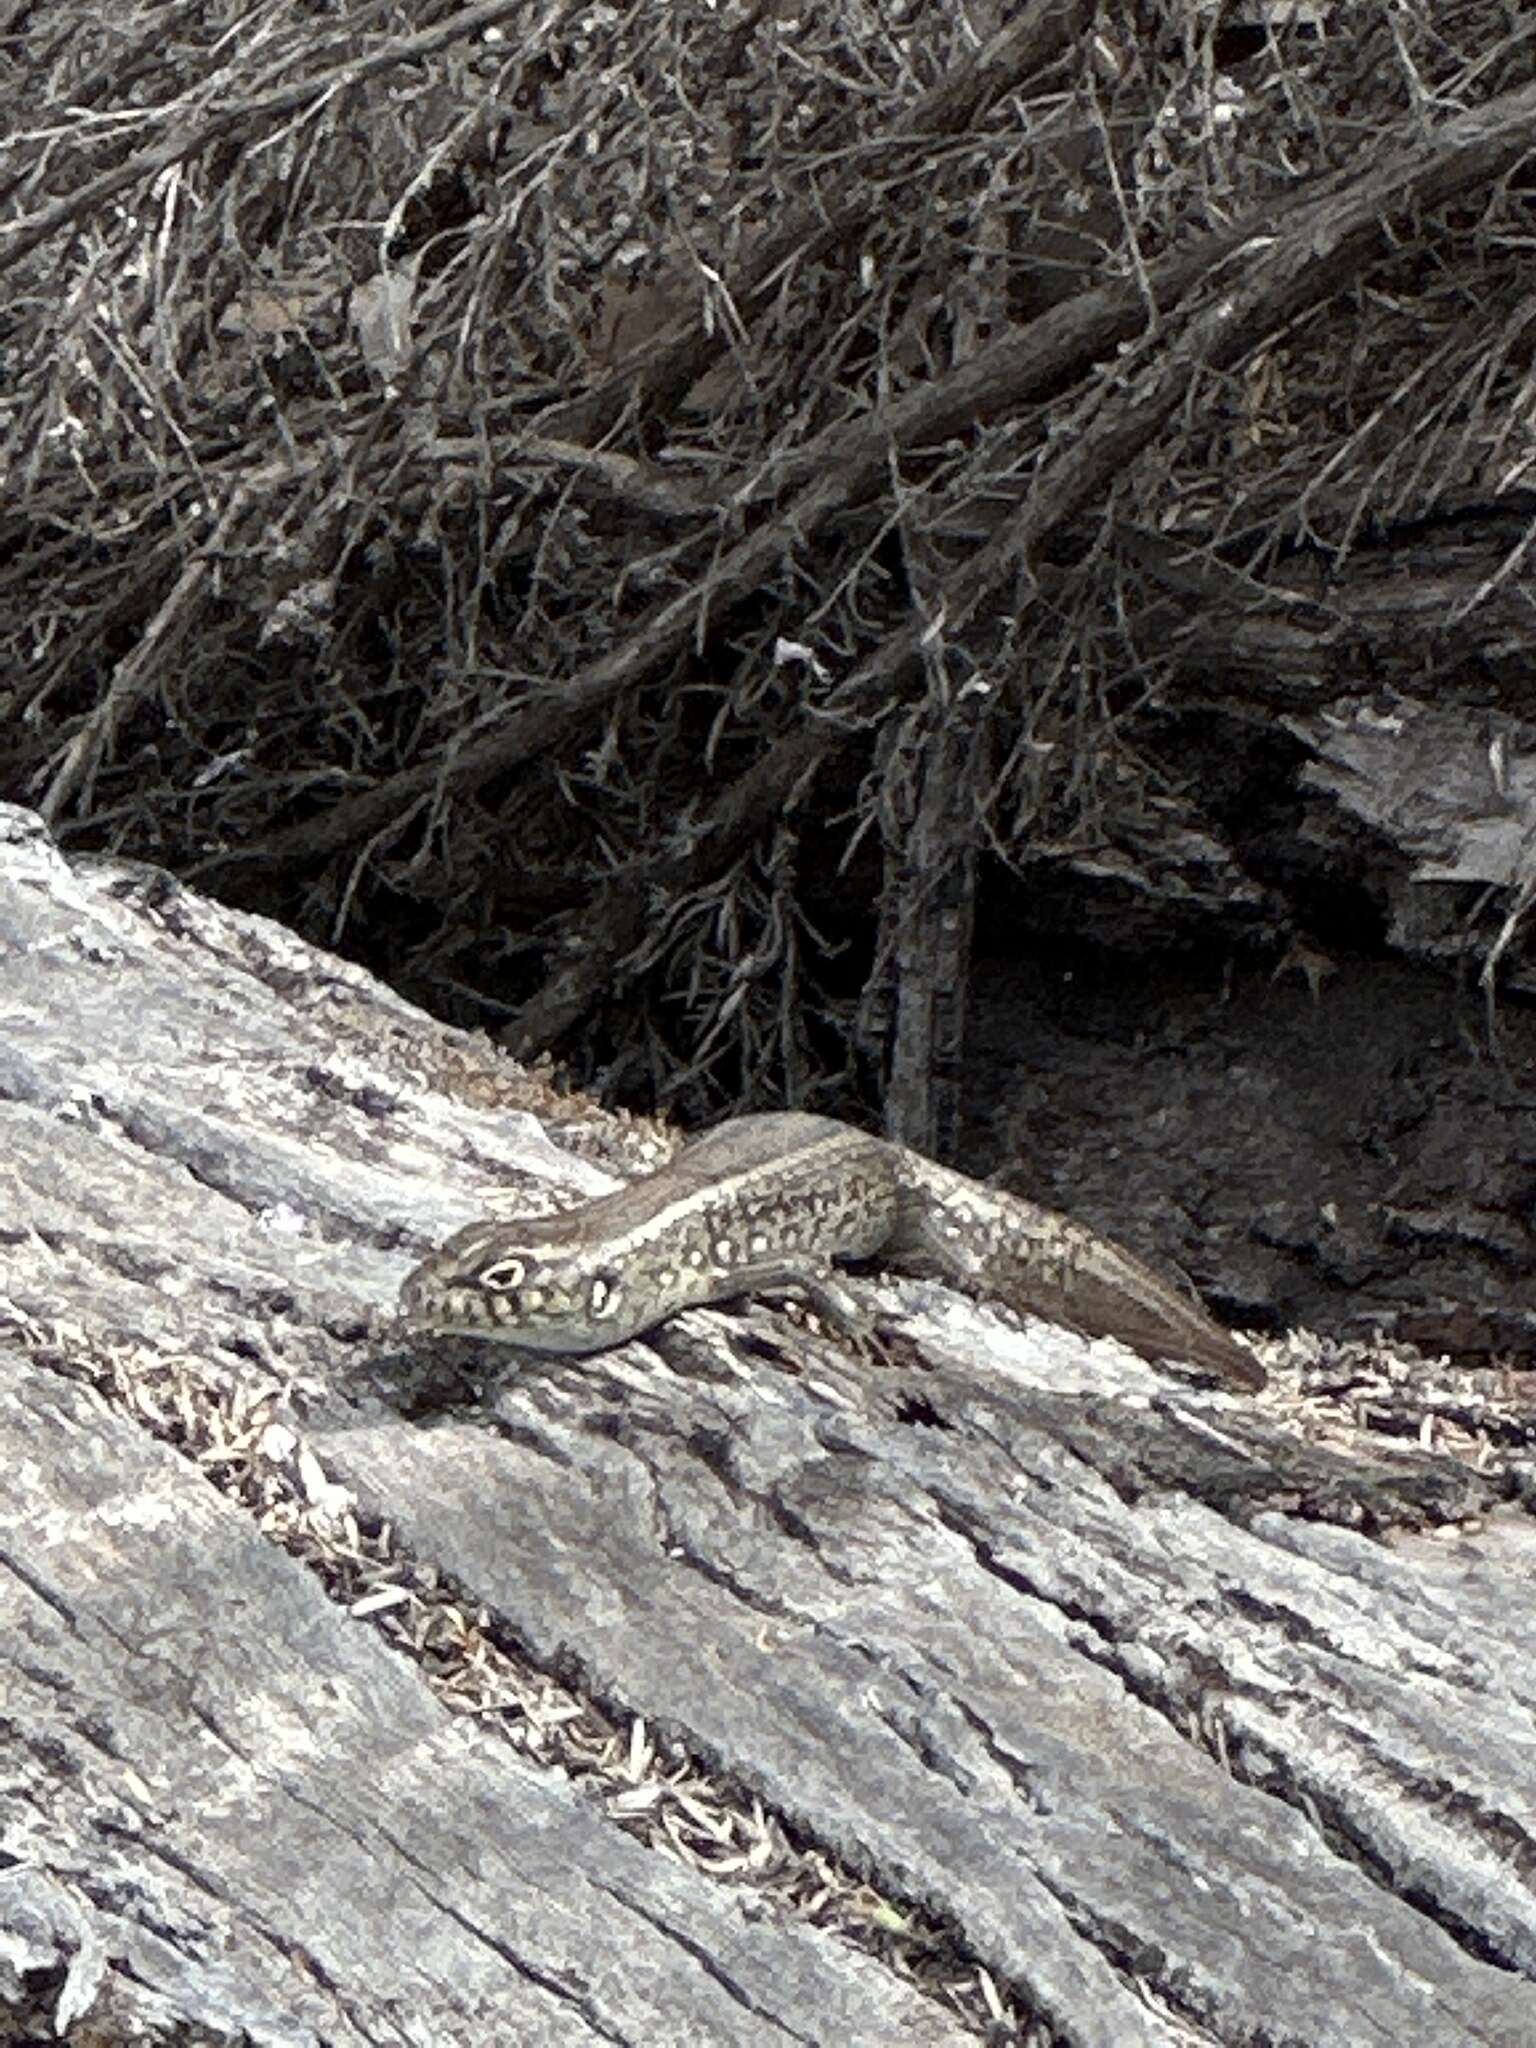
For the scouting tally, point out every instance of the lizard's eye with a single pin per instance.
(505, 1276)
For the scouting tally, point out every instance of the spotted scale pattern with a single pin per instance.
(760, 1204)
(766, 1204)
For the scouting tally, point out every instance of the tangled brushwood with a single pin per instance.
(612, 511)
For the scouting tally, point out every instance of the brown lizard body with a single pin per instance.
(764, 1204)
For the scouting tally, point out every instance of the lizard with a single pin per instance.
(765, 1204)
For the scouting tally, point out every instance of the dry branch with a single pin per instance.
(977, 287)
(249, 117)
(1291, 264)
(847, 465)
(654, 387)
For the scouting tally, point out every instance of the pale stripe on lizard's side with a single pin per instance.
(764, 1204)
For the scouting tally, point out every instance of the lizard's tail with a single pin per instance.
(1042, 1262)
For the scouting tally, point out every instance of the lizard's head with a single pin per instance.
(539, 1283)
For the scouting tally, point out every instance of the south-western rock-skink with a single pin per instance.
(764, 1204)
